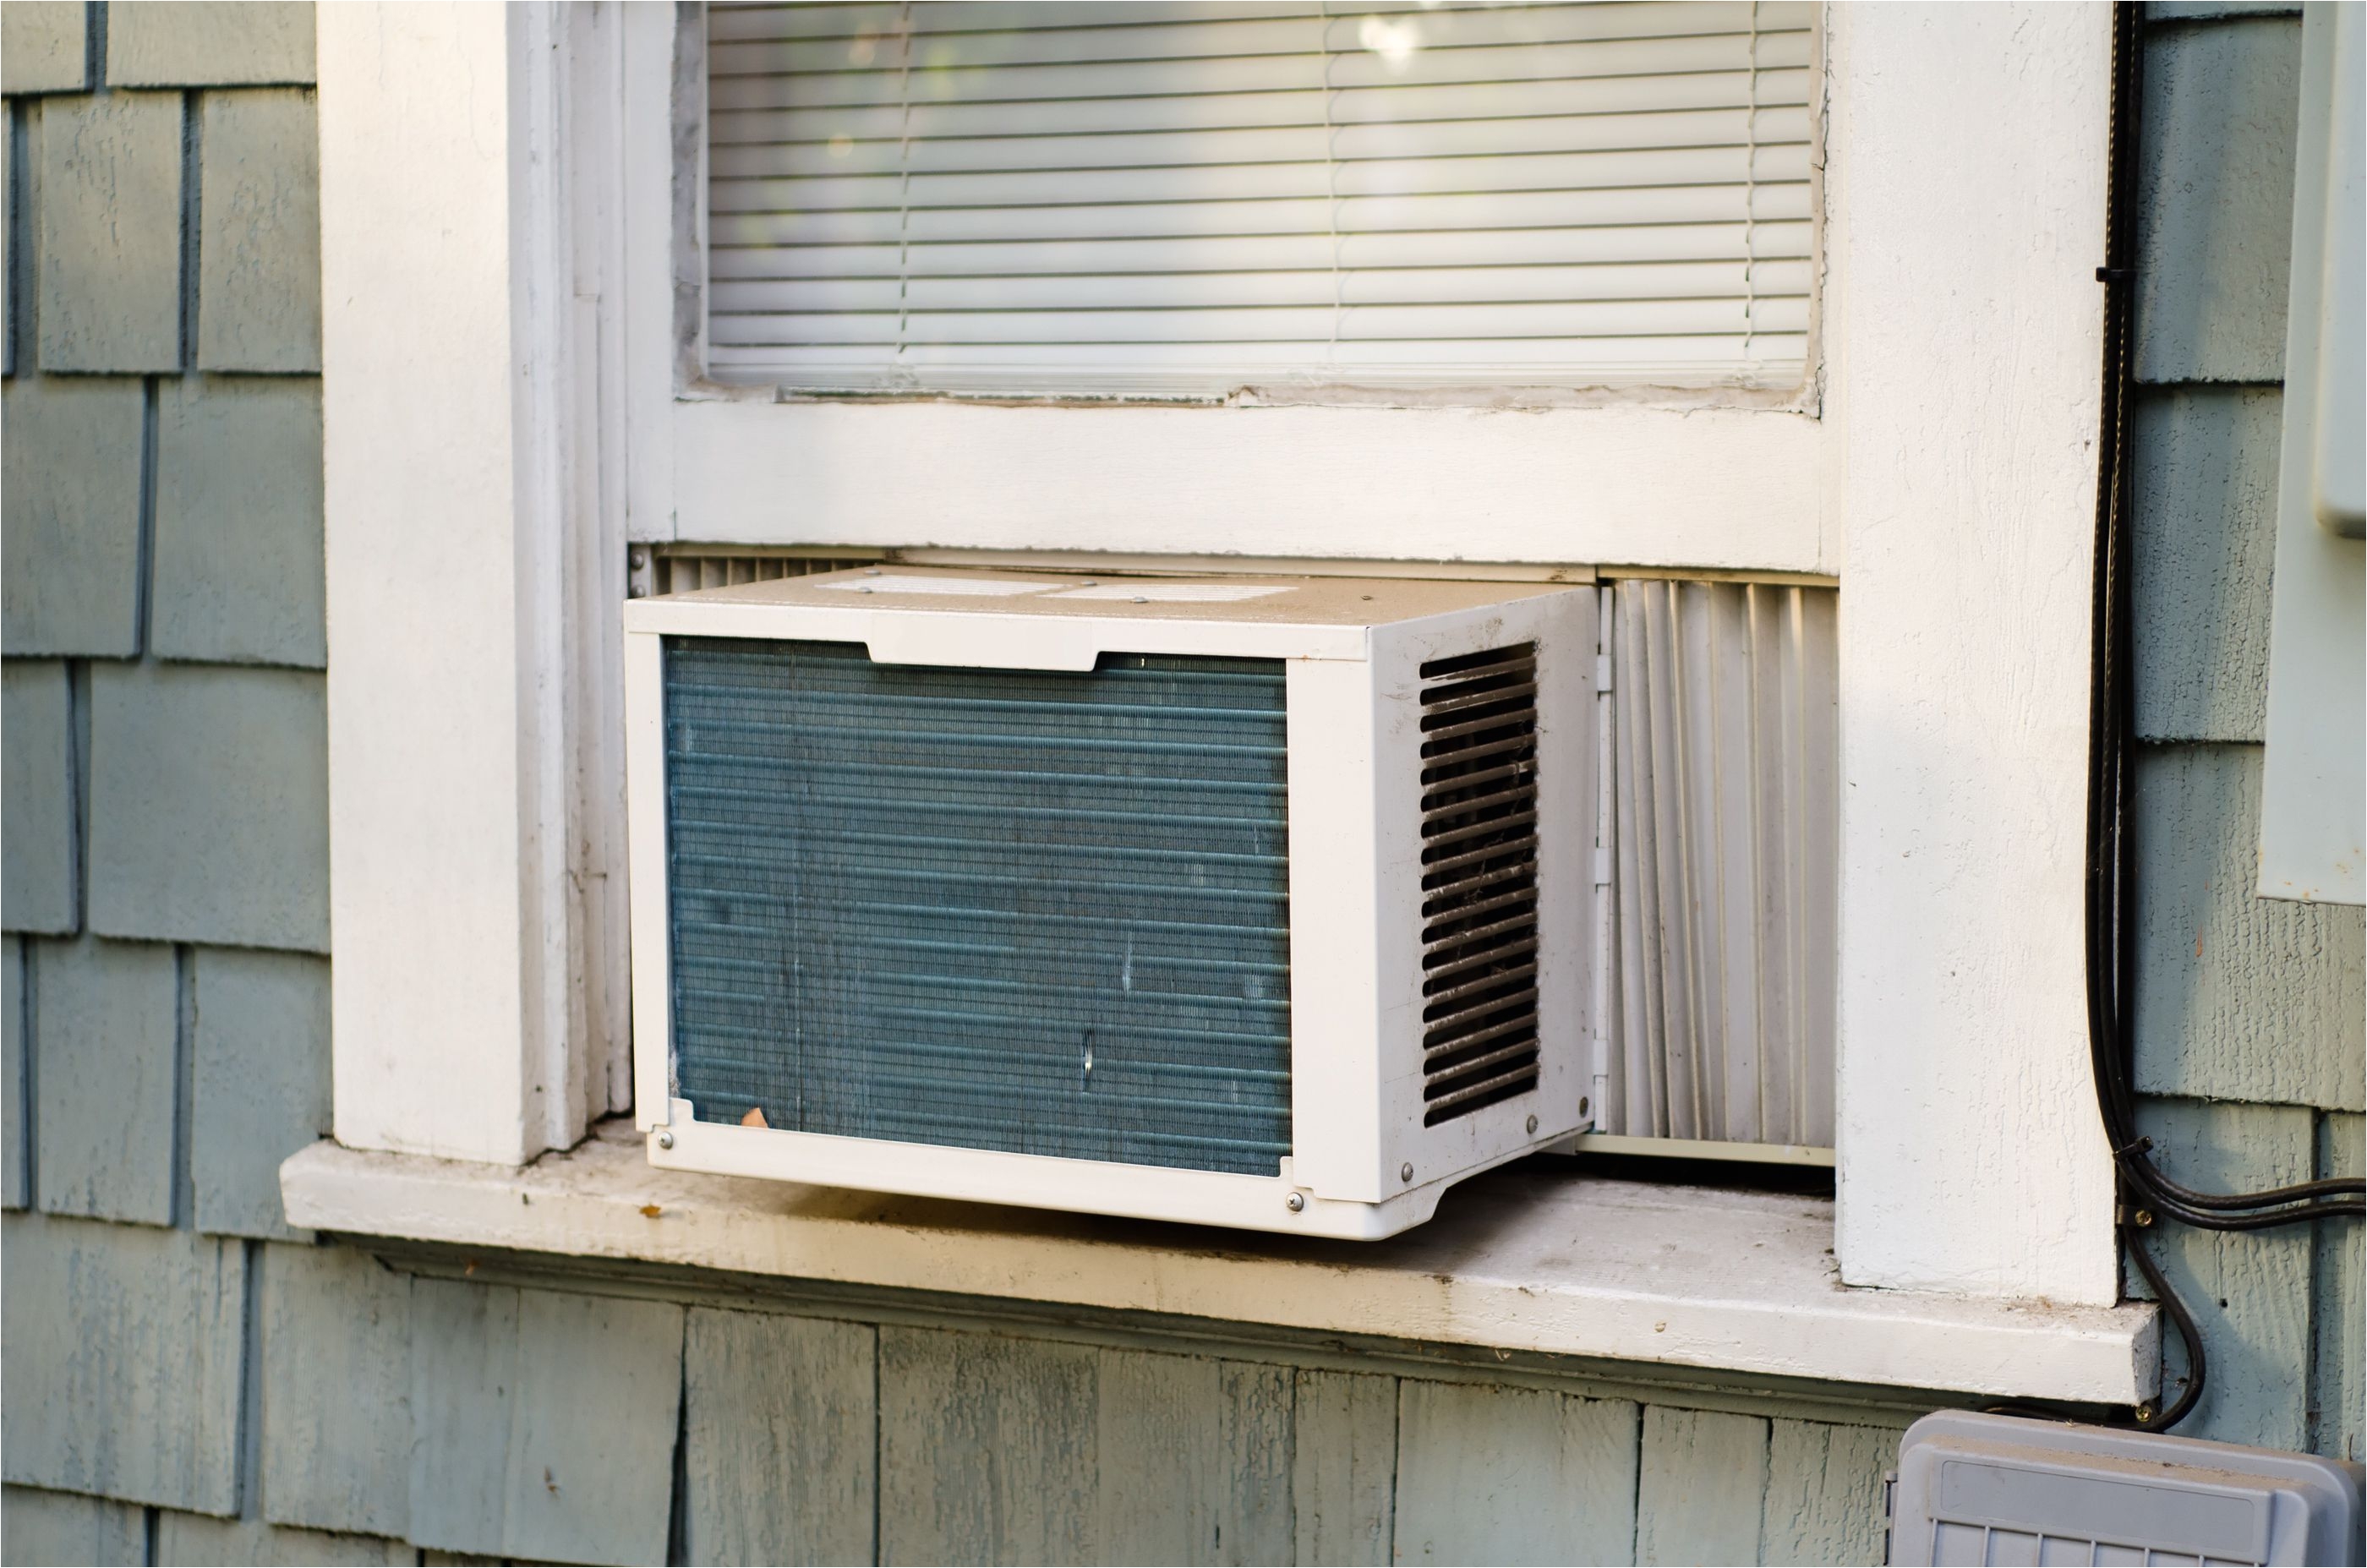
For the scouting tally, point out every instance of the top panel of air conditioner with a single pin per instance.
(1251, 901)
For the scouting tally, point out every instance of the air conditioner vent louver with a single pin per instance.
(1479, 879)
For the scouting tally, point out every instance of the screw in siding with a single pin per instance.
(1294, 1202)
(1405, 1171)
(666, 1139)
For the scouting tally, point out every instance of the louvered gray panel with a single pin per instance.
(1479, 880)
(1724, 820)
(678, 568)
(1034, 911)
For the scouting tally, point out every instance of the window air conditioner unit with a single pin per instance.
(1255, 902)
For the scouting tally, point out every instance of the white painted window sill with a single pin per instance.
(1516, 1260)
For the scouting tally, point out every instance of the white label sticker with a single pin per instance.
(962, 587)
(1152, 591)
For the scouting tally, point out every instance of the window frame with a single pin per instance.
(1946, 470)
(1332, 470)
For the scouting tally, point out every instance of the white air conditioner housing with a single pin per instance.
(1258, 902)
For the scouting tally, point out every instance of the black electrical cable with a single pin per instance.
(2112, 865)
(2111, 868)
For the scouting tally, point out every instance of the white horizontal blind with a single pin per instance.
(1018, 195)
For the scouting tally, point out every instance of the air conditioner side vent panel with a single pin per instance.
(1479, 855)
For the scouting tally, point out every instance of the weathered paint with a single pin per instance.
(780, 1438)
(260, 1081)
(1205, 1446)
(2237, 997)
(59, 1527)
(42, 47)
(239, 567)
(123, 1360)
(2214, 208)
(259, 256)
(1513, 1475)
(15, 1175)
(106, 1091)
(196, 1539)
(40, 889)
(336, 1391)
(1824, 1492)
(1343, 1479)
(2204, 485)
(70, 456)
(209, 806)
(1679, 1520)
(208, 43)
(110, 241)
(987, 1449)
(543, 1422)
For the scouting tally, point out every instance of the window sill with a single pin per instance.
(1516, 1260)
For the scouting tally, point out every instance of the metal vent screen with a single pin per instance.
(1033, 911)
(1478, 879)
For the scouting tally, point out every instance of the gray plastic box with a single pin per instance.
(1997, 1489)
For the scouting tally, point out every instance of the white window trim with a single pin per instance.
(1549, 477)
(499, 417)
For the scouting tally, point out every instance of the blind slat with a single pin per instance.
(1231, 111)
(1470, 322)
(1144, 78)
(1699, 356)
(1501, 210)
(976, 195)
(1722, 281)
(1350, 143)
(1448, 249)
(1735, 165)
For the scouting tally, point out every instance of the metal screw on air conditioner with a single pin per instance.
(666, 1139)
(1405, 1171)
(1533, 1123)
(2143, 1217)
(1294, 1202)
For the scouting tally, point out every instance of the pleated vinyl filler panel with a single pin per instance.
(1253, 901)
(1722, 745)
(1196, 196)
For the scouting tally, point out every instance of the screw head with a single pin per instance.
(2144, 1414)
(1294, 1203)
(666, 1139)
(1405, 1171)
(1581, 1105)
(1533, 1123)
(2143, 1217)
